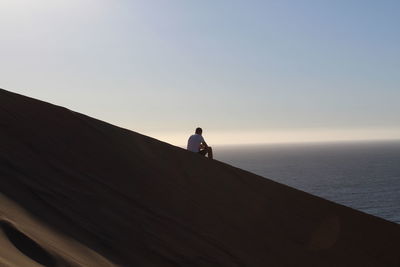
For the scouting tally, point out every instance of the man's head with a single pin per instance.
(199, 130)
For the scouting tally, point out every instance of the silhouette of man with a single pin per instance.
(197, 144)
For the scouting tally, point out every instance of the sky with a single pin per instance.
(245, 71)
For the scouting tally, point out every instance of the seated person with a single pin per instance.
(197, 144)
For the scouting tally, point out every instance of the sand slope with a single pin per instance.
(25, 241)
(131, 200)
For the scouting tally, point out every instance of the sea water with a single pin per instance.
(361, 175)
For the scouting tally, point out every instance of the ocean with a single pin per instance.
(361, 175)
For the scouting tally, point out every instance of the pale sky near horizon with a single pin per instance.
(245, 71)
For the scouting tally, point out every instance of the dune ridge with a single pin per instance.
(130, 200)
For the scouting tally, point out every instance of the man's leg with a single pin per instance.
(209, 152)
(203, 152)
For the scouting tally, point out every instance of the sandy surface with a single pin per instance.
(78, 191)
(21, 234)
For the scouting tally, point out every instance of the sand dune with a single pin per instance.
(25, 241)
(77, 191)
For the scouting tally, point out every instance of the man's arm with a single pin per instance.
(204, 144)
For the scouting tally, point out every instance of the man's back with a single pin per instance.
(194, 142)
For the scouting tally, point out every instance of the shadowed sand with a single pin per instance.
(80, 192)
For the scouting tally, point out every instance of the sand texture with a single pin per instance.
(76, 191)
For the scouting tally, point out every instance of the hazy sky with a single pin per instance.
(245, 71)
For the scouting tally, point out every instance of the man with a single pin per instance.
(197, 144)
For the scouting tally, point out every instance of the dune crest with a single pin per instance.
(87, 192)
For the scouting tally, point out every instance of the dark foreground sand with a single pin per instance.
(76, 191)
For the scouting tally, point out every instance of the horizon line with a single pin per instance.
(296, 142)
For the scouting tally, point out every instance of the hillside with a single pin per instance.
(76, 191)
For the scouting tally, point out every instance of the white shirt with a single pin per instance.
(194, 142)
